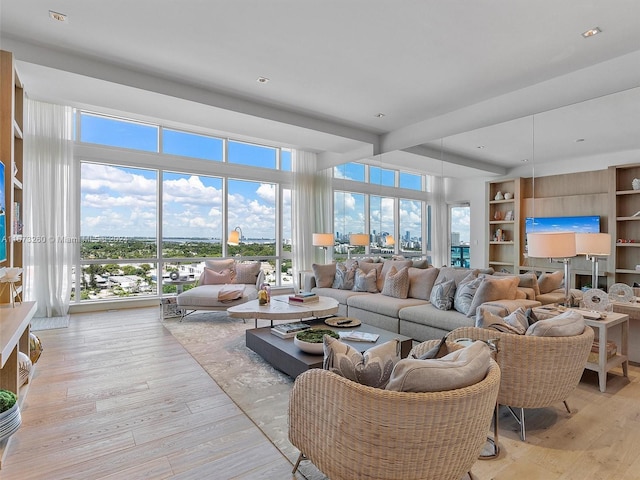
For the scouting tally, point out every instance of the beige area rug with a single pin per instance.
(217, 342)
(49, 323)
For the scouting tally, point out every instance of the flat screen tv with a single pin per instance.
(580, 224)
(3, 217)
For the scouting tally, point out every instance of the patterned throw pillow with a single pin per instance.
(345, 277)
(365, 282)
(396, 283)
(247, 273)
(442, 295)
(211, 277)
(464, 294)
(373, 368)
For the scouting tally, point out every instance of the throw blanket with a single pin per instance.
(229, 293)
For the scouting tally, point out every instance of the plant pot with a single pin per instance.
(313, 348)
(10, 421)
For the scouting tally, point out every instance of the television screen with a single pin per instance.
(581, 224)
(3, 217)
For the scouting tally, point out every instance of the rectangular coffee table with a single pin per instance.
(288, 358)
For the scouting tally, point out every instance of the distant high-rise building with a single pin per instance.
(407, 235)
(455, 238)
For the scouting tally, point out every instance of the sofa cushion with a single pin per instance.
(211, 277)
(365, 281)
(340, 295)
(566, 324)
(396, 283)
(247, 273)
(206, 296)
(373, 368)
(492, 289)
(382, 304)
(550, 281)
(465, 292)
(421, 282)
(345, 276)
(219, 265)
(324, 274)
(442, 295)
(457, 274)
(525, 281)
(460, 368)
(427, 314)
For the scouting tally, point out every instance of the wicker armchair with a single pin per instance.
(536, 371)
(353, 431)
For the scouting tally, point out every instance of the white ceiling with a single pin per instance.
(449, 76)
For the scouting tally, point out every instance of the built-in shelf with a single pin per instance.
(500, 243)
(628, 244)
(494, 202)
(497, 222)
(628, 192)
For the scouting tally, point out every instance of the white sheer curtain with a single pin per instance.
(50, 206)
(311, 200)
(439, 227)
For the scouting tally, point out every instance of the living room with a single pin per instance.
(512, 105)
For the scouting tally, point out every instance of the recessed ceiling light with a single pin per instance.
(525, 160)
(578, 140)
(60, 17)
(480, 147)
(262, 80)
(379, 115)
(591, 32)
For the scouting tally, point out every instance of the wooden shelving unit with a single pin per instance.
(504, 228)
(11, 155)
(624, 225)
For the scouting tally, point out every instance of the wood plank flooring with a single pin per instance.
(114, 395)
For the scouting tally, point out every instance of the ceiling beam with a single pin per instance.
(456, 159)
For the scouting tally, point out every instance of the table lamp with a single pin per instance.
(324, 241)
(554, 245)
(592, 246)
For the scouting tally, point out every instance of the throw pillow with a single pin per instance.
(365, 282)
(211, 277)
(386, 268)
(442, 295)
(492, 289)
(247, 273)
(566, 324)
(220, 265)
(324, 274)
(487, 319)
(368, 266)
(455, 273)
(548, 282)
(422, 263)
(345, 277)
(396, 283)
(373, 368)
(518, 320)
(421, 282)
(465, 292)
(460, 368)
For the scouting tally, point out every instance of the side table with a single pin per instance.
(602, 328)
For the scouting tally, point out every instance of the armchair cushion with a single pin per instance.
(459, 369)
(373, 368)
(549, 282)
(567, 324)
(247, 273)
(487, 319)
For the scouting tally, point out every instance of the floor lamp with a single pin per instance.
(554, 245)
(357, 240)
(592, 246)
(324, 241)
(235, 236)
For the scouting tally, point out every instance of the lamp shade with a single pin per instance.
(234, 237)
(551, 245)
(596, 244)
(389, 240)
(323, 240)
(359, 239)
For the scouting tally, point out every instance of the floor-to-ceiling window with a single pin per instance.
(459, 237)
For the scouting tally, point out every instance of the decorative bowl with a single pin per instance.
(311, 341)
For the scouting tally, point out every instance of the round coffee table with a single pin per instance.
(280, 309)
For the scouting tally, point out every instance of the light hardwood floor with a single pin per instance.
(116, 396)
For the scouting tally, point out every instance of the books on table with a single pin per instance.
(304, 297)
(288, 330)
(356, 336)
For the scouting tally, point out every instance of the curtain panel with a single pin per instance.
(50, 207)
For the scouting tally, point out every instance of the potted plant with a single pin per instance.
(10, 419)
(311, 341)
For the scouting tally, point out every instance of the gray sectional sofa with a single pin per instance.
(415, 316)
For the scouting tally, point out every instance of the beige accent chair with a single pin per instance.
(351, 431)
(537, 372)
